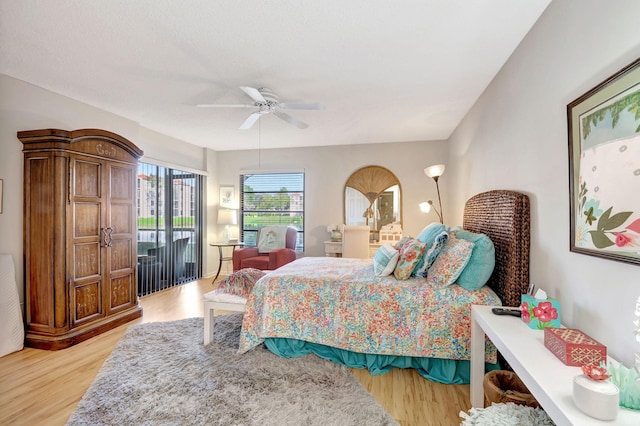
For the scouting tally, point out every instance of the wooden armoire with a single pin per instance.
(80, 260)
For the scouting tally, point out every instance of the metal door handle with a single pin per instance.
(106, 241)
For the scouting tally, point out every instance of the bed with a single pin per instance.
(339, 310)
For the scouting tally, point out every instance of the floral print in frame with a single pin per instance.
(604, 147)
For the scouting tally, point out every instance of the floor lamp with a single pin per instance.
(434, 172)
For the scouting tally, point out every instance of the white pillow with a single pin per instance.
(272, 238)
(385, 260)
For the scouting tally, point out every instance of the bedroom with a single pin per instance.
(524, 147)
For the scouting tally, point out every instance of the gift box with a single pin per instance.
(573, 347)
(540, 313)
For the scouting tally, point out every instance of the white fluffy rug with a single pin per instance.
(162, 374)
(508, 414)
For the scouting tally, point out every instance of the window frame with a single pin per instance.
(297, 212)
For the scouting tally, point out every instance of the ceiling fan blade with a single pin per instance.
(253, 94)
(314, 105)
(289, 119)
(250, 121)
(224, 106)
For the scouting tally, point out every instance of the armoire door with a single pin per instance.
(121, 255)
(86, 233)
(102, 250)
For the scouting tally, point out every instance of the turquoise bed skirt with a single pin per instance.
(446, 371)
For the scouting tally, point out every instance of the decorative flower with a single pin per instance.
(524, 308)
(622, 240)
(545, 312)
(627, 238)
(594, 372)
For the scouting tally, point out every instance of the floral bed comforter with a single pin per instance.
(339, 302)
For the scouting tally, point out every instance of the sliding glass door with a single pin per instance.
(169, 227)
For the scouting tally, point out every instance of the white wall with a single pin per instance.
(327, 170)
(515, 137)
(27, 107)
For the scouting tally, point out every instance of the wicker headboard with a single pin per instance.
(504, 217)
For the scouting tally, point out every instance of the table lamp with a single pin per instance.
(227, 217)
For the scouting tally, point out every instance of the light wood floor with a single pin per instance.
(43, 387)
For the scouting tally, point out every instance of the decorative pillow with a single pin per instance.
(272, 238)
(398, 246)
(483, 260)
(430, 254)
(241, 282)
(385, 260)
(450, 262)
(428, 236)
(410, 254)
(430, 232)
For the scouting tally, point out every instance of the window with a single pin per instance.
(271, 199)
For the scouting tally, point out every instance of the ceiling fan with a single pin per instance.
(266, 102)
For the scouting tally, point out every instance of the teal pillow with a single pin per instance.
(430, 232)
(385, 260)
(482, 261)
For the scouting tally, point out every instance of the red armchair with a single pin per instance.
(250, 257)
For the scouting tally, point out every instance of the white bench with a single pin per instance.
(219, 301)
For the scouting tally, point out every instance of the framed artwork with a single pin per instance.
(227, 195)
(0, 195)
(604, 168)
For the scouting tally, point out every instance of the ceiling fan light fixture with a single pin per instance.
(267, 102)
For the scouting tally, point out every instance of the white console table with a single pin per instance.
(334, 248)
(546, 377)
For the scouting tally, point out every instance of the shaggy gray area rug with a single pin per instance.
(506, 414)
(162, 374)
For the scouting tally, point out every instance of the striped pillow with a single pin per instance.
(385, 260)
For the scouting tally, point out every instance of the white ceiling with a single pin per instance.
(387, 71)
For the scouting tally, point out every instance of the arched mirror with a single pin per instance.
(372, 196)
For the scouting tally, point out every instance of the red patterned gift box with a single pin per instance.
(573, 347)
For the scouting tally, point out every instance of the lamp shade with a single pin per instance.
(425, 207)
(434, 171)
(227, 217)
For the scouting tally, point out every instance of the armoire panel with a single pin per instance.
(121, 292)
(121, 256)
(86, 259)
(87, 302)
(86, 219)
(121, 178)
(87, 179)
(122, 219)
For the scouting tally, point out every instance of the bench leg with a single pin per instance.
(208, 323)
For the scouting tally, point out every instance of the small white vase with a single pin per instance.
(336, 236)
(596, 398)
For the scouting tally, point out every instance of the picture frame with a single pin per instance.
(604, 168)
(227, 196)
(1, 181)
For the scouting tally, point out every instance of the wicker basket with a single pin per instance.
(501, 386)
